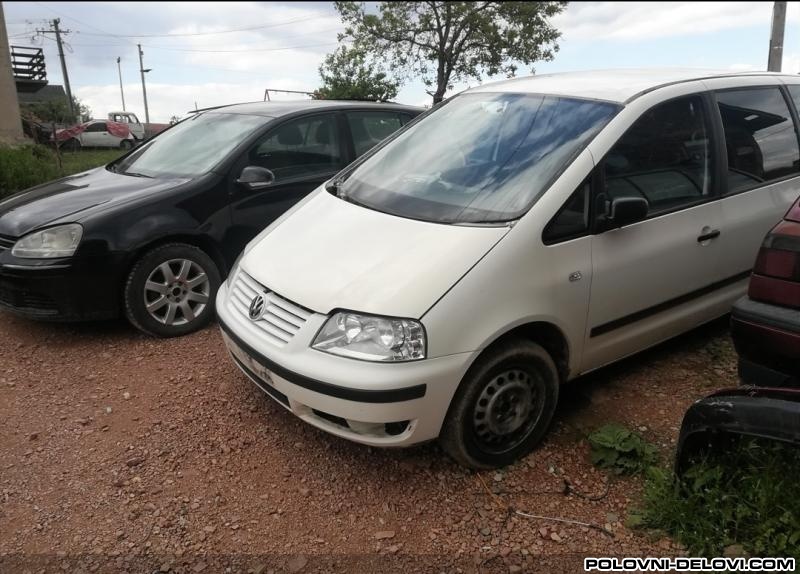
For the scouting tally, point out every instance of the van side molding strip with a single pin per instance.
(655, 309)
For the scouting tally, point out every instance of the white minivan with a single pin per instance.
(516, 236)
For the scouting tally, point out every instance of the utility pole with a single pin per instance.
(57, 31)
(776, 37)
(143, 71)
(121, 91)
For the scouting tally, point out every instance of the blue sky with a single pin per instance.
(195, 57)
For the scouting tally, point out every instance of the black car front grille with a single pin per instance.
(20, 298)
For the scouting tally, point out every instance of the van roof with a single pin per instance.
(611, 85)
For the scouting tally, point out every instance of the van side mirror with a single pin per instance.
(255, 177)
(624, 211)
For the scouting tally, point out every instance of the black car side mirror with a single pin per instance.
(626, 210)
(254, 177)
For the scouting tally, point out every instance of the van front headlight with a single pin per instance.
(371, 338)
(57, 241)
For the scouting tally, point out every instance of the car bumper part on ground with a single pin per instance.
(379, 404)
(767, 338)
(61, 290)
(762, 412)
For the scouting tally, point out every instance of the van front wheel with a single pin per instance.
(503, 407)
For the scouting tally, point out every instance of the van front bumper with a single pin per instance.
(378, 404)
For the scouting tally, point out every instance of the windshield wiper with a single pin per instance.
(333, 186)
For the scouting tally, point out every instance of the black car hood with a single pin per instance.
(72, 198)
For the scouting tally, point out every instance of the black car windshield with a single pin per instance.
(480, 158)
(191, 148)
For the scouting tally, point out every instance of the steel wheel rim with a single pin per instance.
(507, 410)
(177, 292)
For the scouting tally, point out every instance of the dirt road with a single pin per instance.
(124, 453)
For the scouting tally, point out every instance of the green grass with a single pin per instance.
(747, 496)
(75, 162)
(25, 166)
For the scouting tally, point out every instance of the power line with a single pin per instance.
(185, 34)
(179, 47)
(81, 22)
(246, 50)
(243, 51)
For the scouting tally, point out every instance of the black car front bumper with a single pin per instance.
(62, 290)
(760, 412)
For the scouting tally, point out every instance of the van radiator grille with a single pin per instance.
(281, 319)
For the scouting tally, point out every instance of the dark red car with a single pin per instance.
(765, 324)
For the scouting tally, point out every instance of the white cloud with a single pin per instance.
(629, 21)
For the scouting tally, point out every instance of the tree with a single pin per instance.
(83, 112)
(52, 112)
(348, 74)
(445, 42)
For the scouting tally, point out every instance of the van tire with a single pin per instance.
(515, 382)
(136, 292)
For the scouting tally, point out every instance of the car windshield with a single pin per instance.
(191, 148)
(480, 158)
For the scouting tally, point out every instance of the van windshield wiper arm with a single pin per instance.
(135, 174)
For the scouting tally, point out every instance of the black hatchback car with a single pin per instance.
(152, 234)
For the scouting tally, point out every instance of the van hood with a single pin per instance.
(72, 198)
(331, 254)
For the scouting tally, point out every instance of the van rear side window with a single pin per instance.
(760, 137)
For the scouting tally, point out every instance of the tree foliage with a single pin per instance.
(57, 111)
(348, 74)
(446, 42)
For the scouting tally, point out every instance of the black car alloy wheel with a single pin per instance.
(177, 292)
(171, 290)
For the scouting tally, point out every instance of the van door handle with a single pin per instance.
(707, 236)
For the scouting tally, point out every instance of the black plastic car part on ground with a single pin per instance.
(759, 412)
(186, 189)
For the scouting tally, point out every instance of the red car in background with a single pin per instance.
(765, 324)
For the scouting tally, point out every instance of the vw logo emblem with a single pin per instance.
(256, 307)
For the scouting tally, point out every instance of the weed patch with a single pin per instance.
(748, 496)
(621, 450)
(28, 165)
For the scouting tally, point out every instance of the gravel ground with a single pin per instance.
(125, 453)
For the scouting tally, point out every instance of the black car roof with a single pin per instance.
(286, 107)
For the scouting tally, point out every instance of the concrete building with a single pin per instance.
(10, 121)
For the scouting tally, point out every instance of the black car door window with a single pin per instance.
(370, 128)
(301, 147)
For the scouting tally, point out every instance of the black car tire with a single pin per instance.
(126, 145)
(178, 292)
(511, 374)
